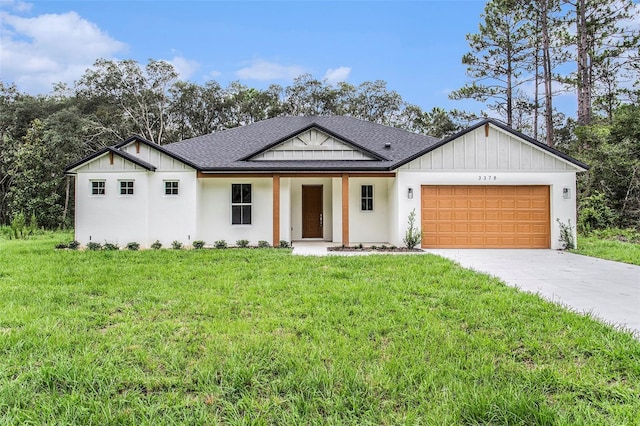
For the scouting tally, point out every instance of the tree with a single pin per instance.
(121, 91)
(604, 37)
(498, 57)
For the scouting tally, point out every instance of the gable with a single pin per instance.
(495, 150)
(162, 161)
(109, 162)
(312, 144)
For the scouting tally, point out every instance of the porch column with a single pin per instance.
(345, 209)
(276, 209)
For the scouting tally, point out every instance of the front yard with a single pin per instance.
(258, 336)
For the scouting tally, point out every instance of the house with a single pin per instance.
(337, 179)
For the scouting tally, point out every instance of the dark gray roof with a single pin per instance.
(229, 149)
(116, 151)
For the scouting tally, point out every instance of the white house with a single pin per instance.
(337, 179)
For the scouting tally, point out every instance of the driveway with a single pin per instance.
(609, 290)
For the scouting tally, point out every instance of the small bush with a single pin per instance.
(92, 245)
(263, 244)
(157, 245)
(133, 246)
(198, 244)
(566, 235)
(284, 244)
(628, 235)
(220, 244)
(413, 235)
(110, 247)
(61, 246)
(595, 213)
(73, 245)
(176, 245)
(242, 243)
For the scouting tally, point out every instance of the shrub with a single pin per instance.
(242, 243)
(413, 235)
(176, 245)
(566, 235)
(61, 246)
(92, 245)
(284, 244)
(220, 244)
(157, 245)
(73, 245)
(594, 213)
(263, 244)
(133, 246)
(110, 246)
(198, 244)
(628, 235)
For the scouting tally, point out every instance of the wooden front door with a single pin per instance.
(312, 211)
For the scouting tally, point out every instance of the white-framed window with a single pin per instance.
(241, 204)
(98, 187)
(171, 187)
(126, 187)
(366, 198)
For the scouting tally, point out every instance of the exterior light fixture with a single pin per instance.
(410, 193)
(566, 193)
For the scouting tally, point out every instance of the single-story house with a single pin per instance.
(337, 179)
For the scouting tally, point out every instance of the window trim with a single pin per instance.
(242, 204)
(92, 188)
(364, 198)
(174, 191)
(126, 188)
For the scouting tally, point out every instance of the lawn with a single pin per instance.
(609, 249)
(250, 336)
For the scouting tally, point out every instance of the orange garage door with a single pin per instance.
(485, 216)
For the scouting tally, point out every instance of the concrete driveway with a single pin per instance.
(609, 290)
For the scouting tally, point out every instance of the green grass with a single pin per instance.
(249, 336)
(609, 249)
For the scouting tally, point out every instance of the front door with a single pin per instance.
(311, 211)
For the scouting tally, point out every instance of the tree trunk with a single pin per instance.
(583, 78)
(546, 63)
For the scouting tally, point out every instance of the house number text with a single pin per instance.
(486, 178)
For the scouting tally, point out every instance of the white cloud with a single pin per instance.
(17, 5)
(214, 74)
(183, 66)
(265, 71)
(40, 51)
(337, 75)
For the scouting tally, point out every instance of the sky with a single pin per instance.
(415, 46)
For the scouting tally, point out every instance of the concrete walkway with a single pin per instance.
(608, 290)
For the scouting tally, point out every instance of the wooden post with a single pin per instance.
(276, 210)
(345, 209)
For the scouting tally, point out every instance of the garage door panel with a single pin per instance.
(486, 216)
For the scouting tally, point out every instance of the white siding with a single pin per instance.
(501, 151)
(312, 145)
(153, 156)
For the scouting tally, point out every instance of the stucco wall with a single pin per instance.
(562, 209)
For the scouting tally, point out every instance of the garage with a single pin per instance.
(475, 216)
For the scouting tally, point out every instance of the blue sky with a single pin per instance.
(416, 47)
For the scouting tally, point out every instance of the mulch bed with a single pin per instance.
(384, 249)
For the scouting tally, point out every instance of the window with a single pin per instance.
(241, 204)
(171, 187)
(126, 187)
(366, 203)
(98, 187)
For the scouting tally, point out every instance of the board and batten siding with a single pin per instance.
(312, 145)
(162, 161)
(500, 151)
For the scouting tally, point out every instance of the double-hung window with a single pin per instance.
(98, 187)
(241, 204)
(126, 187)
(171, 187)
(366, 198)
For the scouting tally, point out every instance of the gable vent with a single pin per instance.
(387, 145)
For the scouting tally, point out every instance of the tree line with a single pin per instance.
(524, 55)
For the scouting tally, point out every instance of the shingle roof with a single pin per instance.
(226, 150)
(116, 151)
